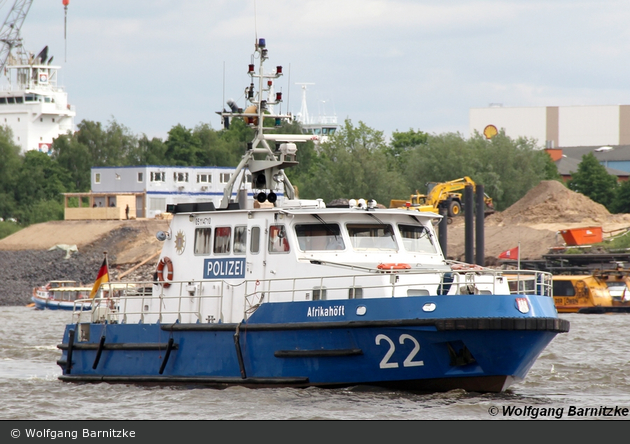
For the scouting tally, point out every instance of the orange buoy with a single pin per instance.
(165, 262)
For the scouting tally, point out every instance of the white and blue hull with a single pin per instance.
(53, 304)
(393, 344)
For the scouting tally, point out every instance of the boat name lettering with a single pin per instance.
(335, 310)
(203, 221)
(224, 268)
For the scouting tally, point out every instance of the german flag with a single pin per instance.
(103, 276)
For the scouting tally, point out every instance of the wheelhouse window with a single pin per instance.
(278, 242)
(222, 238)
(563, 288)
(240, 240)
(416, 238)
(314, 237)
(224, 177)
(254, 246)
(372, 237)
(203, 241)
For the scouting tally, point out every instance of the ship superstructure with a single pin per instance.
(32, 103)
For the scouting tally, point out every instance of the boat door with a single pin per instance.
(268, 252)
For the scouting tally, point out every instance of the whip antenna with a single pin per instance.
(65, 26)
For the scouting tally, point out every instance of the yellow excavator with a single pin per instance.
(447, 195)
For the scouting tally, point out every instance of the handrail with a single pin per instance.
(204, 300)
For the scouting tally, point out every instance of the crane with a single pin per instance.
(10, 32)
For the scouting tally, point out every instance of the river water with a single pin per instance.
(587, 368)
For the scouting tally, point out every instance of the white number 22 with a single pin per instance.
(409, 362)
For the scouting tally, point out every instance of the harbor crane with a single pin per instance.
(10, 32)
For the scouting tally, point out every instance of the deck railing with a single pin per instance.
(204, 301)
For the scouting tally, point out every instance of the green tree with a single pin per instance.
(10, 162)
(506, 168)
(621, 203)
(75, 158)
(182, 146)
(8, 228)
(40, 178)
(402, 143)
(592, 180)
(148, 152)
(353, 163)
(217, 148)
(41, 211)
(109, 146)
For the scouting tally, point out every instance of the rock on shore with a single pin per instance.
(28, 268)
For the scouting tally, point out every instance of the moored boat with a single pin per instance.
(62, 295)
(603, 291)
(291, 293)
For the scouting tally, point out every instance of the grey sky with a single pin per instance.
(394, 65)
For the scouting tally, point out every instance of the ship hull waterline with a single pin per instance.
(431, 354)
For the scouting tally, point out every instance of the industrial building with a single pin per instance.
(567, 132)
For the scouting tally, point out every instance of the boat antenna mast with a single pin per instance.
(266, 162)
(303, 116)
(10, 31)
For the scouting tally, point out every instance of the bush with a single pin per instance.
(8, 228)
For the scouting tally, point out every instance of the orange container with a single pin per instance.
(582, 236)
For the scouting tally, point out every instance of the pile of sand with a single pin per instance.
(552, 202)
(535, 223)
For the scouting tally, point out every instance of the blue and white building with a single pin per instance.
(147, 190)
(156, 186)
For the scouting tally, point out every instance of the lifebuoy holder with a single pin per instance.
(466, 267)
(167, 263)
(393, 266)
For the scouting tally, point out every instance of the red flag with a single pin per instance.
(101, 278)
(509, 254)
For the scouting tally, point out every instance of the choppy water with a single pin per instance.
(586, 368)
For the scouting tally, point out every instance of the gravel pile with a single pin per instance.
(26, 269)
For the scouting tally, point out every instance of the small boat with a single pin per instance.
(62, 295)
(277, 291)
(603, 291)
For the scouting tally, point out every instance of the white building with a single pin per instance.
(557, 126)
(157, 186)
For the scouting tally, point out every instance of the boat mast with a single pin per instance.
(303, 115)
(265, 162)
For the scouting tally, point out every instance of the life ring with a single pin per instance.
(165, 262)
(393, 266)
(458, 267)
